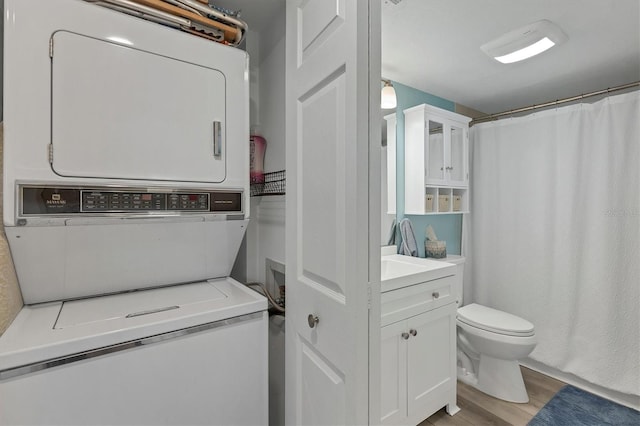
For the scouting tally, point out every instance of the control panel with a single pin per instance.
(60, 200)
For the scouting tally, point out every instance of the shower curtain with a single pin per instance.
(555, 218)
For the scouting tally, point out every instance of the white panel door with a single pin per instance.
(123, 113)
(330, 231)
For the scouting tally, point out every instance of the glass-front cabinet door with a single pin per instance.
(457, 164)
(435, 153)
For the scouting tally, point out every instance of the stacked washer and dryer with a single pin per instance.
(125, 202)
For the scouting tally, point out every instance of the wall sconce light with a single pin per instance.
(388, 98)
(524, 42)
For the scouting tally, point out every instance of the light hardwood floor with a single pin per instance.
(479, 409)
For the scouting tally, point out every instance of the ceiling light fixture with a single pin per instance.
(388, 98)
(525, 42)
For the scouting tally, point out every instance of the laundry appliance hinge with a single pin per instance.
(50, 153)
(51, 47)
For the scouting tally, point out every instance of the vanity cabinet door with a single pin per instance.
(393, 380)
(431, 360)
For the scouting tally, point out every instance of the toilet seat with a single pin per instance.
(494, 321)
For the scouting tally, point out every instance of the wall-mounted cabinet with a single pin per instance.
(436, 147)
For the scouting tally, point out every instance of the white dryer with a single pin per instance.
(125, 202)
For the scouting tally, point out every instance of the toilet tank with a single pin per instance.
(459, 277)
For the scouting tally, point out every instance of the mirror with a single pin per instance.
(388, 208)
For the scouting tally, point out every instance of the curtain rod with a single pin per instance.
(556, 102)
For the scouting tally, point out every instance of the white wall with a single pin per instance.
(10, 296)
(271, 83)
(265, 234)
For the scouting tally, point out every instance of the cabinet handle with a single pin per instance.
(313, 320)
(435, 294)
(405, 336)
(217, 139)
(413, 332)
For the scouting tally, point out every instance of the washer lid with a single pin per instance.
(135, 304)
(494, 320)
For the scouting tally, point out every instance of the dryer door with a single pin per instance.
(123, 113)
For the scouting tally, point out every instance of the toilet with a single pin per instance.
(490, 343)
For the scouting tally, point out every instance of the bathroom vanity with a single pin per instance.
(418, 339)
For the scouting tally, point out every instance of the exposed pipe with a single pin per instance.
(273, 302)
(553, 103)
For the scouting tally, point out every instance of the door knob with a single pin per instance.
(405, 336)
(413, 332)
(313, 320)
(435, 294)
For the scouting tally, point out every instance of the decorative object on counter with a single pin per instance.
(408, 246)
(192, 16)
(258, 145)
(274, 183)
(432, 246)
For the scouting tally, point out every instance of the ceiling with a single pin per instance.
(434, 46)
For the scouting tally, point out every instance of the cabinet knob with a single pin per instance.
(413, 332)
(313, 320)
(435, 294)
(405, 336)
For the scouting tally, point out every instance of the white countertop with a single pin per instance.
(401, 271)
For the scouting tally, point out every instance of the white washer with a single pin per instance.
(126, 200)
(190, 354)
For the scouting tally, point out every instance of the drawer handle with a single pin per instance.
(413, 332)
(435, 294)
(405, 336)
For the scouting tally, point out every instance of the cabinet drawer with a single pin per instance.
(405, 302)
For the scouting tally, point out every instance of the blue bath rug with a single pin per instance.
(574, 407)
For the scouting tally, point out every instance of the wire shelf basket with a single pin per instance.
(274, 184)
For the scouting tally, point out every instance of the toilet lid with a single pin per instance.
(494, 320)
